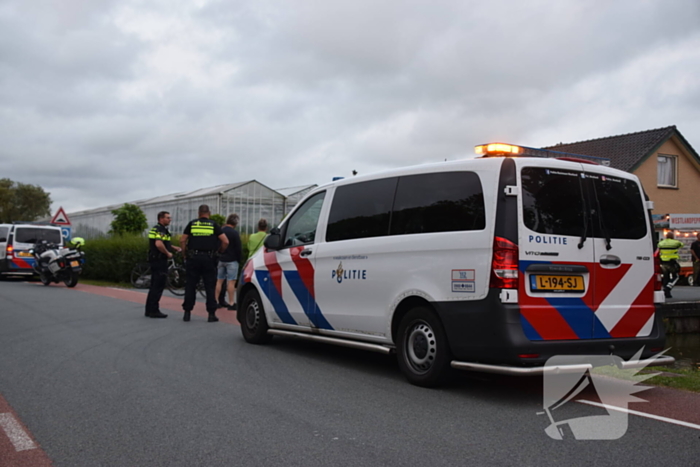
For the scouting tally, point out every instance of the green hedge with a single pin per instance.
(112, 258)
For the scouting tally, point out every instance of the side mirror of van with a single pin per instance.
(274, 240)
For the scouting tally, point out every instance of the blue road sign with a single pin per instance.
(65, 231)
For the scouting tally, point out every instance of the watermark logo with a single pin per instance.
(607, 377)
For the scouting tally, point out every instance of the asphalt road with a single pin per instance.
(96, 383)
(684, 293)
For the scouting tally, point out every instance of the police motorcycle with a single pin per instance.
(55, 264)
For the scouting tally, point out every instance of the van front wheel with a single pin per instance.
(252, 318)
(423, 354)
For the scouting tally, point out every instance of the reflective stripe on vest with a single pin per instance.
(154, 234)
(202, 229)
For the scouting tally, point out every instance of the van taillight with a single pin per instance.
(504, 266)
(658, 272)
(9, 250)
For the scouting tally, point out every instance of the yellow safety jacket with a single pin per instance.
(668, 249)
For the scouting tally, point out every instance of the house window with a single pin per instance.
(666, 171)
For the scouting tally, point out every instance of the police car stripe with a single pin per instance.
(627, 289)
(248, 270)
(18, 263)
(589, 320)
(529, 331)
(547, 320)
(308, 303)
(599, 331)
(275, 297)
(275, 270)
(577, 315)
(307, 297)
(305, 268)
(638, 315)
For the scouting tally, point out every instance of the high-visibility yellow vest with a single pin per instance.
(668, 249)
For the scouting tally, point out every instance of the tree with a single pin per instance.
(22, 202)
(128, 219)
(218, 218)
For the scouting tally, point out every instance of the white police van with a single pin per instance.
(492, 264)
(15, 242)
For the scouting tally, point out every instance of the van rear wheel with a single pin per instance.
(251, 315)
(423, 354)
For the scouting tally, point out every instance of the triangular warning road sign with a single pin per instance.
(60, 218)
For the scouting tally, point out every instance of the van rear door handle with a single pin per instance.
(305, 252)
(610, 260)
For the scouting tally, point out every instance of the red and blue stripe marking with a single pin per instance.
(572, 318)
(301, 281)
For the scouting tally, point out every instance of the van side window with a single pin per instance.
(301, 228)
(621, 208)
(37, 234)
(553, 201)
(361, 210)
(438, 202)
(3, 233)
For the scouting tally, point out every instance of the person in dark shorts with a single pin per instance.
(228, 262)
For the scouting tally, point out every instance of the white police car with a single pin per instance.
(491, 264)
(15, 242)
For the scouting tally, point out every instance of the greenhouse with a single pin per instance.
(251, 200)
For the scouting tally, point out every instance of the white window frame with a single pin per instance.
(667, 178)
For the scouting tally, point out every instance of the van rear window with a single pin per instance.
(3, 234)
(621, 207)
(37, 234)
(553, 201)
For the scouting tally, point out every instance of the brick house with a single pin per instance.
(664, 161)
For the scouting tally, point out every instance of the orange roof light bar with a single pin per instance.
(498, 149)
(503, 149)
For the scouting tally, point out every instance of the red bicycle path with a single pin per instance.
(29, 455)
(166, 303)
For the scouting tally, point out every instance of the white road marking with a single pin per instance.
(641, 414)
(20, 439)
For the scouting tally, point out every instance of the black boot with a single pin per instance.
(212, 318)
(187, 316)
(157, 314)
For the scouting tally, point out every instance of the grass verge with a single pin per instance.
(676, 378)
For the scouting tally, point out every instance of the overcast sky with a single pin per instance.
(103, 102)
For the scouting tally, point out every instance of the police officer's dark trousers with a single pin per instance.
(159, 275)
(200, 266)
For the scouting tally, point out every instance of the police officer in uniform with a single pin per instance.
(201, 241)
(159, 251)
(668, 254)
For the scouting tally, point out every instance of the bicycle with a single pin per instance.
(175, 283)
